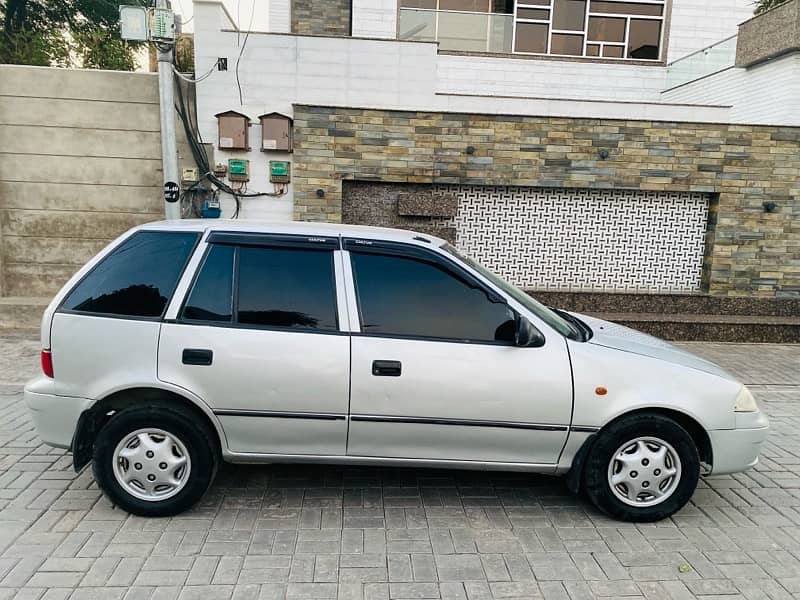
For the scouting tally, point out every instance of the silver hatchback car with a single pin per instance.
(183, 344)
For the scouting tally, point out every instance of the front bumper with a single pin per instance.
(737, 449)
(54, 417)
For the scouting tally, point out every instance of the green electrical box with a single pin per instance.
(238, 169)
(279, 171)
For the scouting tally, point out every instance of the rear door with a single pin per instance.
(261, 340)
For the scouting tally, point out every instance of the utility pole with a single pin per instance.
(157, 25)
(169, 144)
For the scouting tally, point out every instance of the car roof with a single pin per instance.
(296, 228)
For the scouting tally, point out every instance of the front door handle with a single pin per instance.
(202, 358)
(387, 368)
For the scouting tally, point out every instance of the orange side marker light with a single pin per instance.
(600, 390)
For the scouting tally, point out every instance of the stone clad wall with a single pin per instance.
(321, 17)
(751, 253)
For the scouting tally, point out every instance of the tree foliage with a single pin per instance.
(83, 33)
(765, 5)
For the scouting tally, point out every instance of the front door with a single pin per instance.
(435, 372)
(258, 339)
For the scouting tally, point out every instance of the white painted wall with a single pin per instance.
(375, 18)
(280, 16)
(767, 94)
(697, 24)
(505, 76)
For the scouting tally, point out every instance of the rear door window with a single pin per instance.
(286, 288)
(137, 279)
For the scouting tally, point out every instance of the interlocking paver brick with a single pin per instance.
(375, 534)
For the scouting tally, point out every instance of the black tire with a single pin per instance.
(609, 440)
(197, 438)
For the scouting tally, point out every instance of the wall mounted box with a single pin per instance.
(238, 169)
(233, 129)
(276, 132)
(280, 171)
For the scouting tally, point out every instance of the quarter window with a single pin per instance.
(211, 298)
(286, 288)
(407, 297)
(137, 279)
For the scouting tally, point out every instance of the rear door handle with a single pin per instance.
(387, 368)
(202, 358)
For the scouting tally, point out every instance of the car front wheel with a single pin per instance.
(643, 468)
(154, 461)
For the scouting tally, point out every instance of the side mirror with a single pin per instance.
(526, 335)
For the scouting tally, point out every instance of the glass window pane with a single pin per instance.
(463, 31)
(417, 25)
(500, 33)
(280, 287)
(569, 15)
(592, 50)
(533, 13)
(532, 37)
(566, 44)
(505, 7)
(466, 5)
(418, 4)
(613, 52)
(407, 297)
(137, 279)
(645, 39)
(211, 298)
(606, 29)
(627, 8)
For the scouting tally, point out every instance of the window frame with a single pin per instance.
(239, 240)
(103, 256)
(664, 38)
(412, 252)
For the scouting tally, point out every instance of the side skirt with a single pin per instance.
(248, 458)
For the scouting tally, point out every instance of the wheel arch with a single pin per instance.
(693, 427)
(94, 418)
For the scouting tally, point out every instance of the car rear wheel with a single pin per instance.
(154, 461)
(643, 468)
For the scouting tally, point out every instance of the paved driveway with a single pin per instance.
(323, 532)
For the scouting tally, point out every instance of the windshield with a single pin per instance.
(555, 321)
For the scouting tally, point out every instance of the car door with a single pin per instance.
(258, 338)
(435, 372)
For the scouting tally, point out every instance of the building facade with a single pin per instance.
(570, 145)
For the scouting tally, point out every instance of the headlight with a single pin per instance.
(745, 401)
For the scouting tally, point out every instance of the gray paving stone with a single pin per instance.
(278, 532)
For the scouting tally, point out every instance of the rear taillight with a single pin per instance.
(47, 363)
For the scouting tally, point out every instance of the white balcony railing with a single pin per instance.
(465, 31)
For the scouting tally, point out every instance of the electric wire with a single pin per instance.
(241, 50)
(198, 153)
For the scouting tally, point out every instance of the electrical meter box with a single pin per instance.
(279, 171)
(162, 25)
(232, 127)
(211, 209)
(238, 169)
(189, 175)
(276, 132)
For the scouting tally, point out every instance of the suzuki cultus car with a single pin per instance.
(184, 344)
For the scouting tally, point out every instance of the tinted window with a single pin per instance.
(408, 297)
(286, 288)
(137, 279)
(212, 295)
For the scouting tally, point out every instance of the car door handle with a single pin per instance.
(203, 358)
(387, 368)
